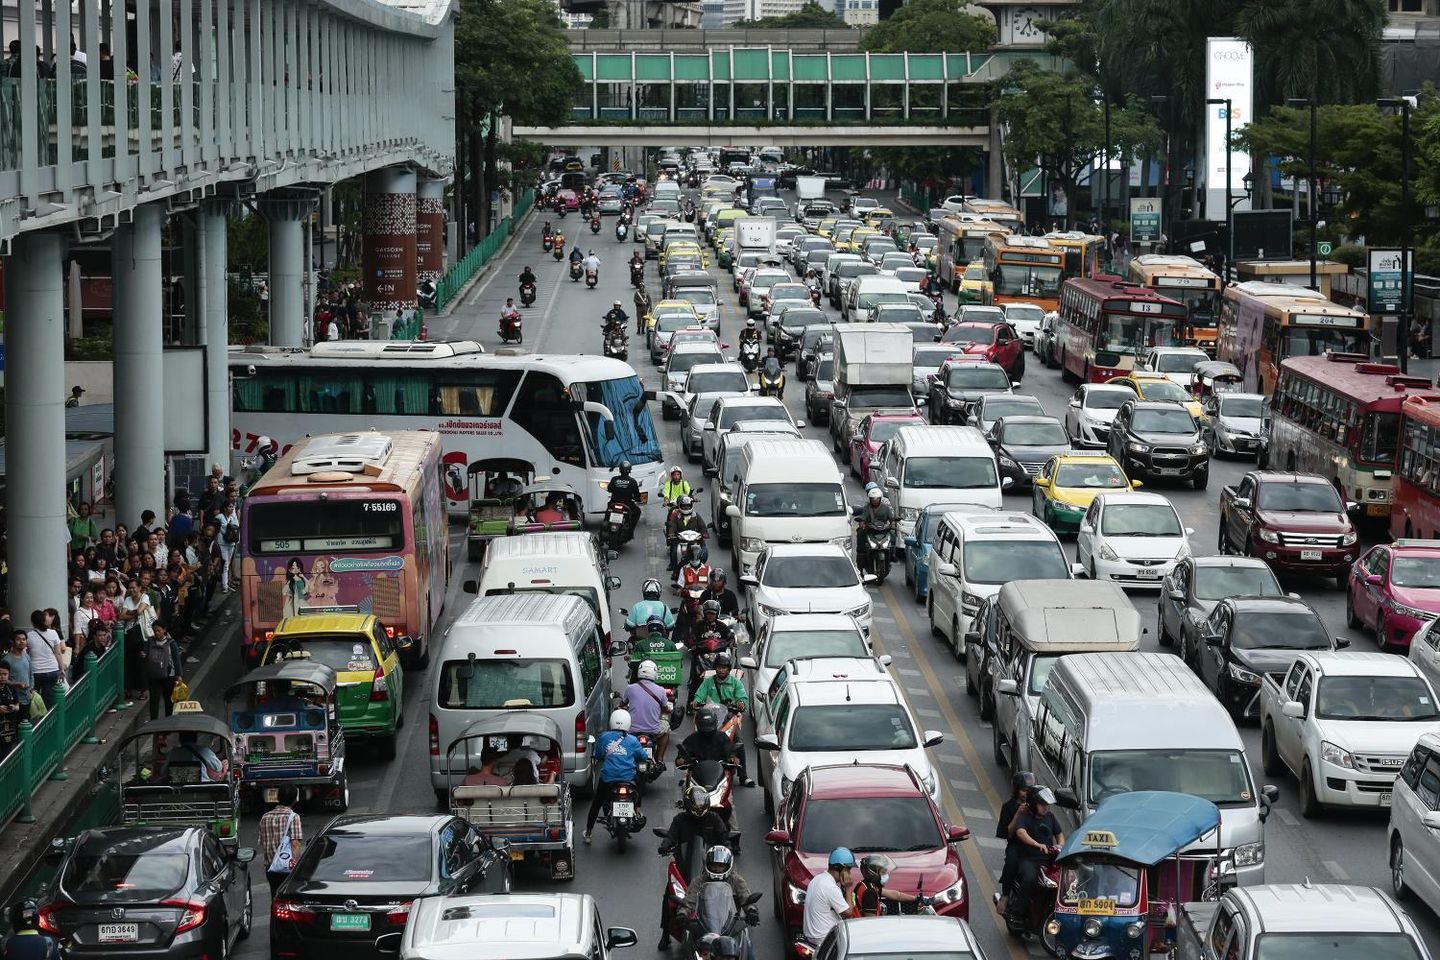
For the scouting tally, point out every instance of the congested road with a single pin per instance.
(1338, 846)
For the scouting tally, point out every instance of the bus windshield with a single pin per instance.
(1127, 333)
(1312, 342)
(297, 525)
(1201, 304)
(1027, 280)
(631, 435)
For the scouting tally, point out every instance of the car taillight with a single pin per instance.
(390, 632)
(580, 732)
(47, 922)
(193, 916)
(380, 686)
(288, 911)
(434, 736)
(398, 914)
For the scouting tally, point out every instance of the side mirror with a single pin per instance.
(749, 581)
(749, 663)
(934, 738)
(1041, 482)
(767, 741)
(1075, 404)
(1351, 507)
(1086, 527)
(947, 569)
(1176, 595)
(868, 579)
(1374, 579)
(403, 642)
(1269, 793)
(1431, 819)
(1014, 384)
(1341, 643)
(245, 855)
(885, 659)
(972, 636)
(470, 586)
(1136, 484)
(892, 483)
(612, 583)
(1066, 799)
(910, 542)
(954, 834)
(1293, 709)
(778, 838)
(733, 512)
(799, 424)
(1077, 570)
(1007, 686)
(612, 555)
(617, 937)
(1210, 636)
(1006, 483)
(1241, 503)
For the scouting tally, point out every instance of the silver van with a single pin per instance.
(1038, 621)
(550, 926)
(1110, 723)
(522, 651)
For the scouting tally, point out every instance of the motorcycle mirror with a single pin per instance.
(660, 833)
(753, 899)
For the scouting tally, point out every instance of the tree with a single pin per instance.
(1054, 121)
(930, 26)
(810, 16)
(1326, 50)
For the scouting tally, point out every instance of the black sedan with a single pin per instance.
(1023, 444)
(1248, 637)
(151, 892)
(357, 879)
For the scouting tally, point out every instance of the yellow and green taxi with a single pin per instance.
(1066, 484)
(975, 284)
(725, 219)
(826, 227)
(875, 215)
(722, 238)
(366, 661)
(1155, 386)
(678, 315)
(691, 247)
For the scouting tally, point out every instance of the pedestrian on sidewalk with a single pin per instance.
(43, 642)
(163, 666)
(138, 618)
(228, 524)
(22, 675)
(280, 837)
(84, 531)
(10, 712)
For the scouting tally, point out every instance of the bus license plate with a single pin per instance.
(350, 921)
(1377, 509)
(1309, 554)
(119, 932)
(622, 808)
(1098, 907)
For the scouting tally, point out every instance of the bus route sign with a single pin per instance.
(1388, 280)
(1144, 220)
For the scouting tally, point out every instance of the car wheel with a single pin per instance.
(1020, 366)
(960, 655)
(1269, 757)
(1351, 621)
(1309, 806)
(997, 746)
(910, 580)
(247, 914)
(1342, 580)
(935, 631)
(1397, 870)
(385, 747)
(1164, 634)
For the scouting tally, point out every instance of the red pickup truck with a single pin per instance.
(1295, 522)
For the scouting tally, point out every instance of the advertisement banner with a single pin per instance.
(1144, 220)
(1229, 75)
(1388, 281)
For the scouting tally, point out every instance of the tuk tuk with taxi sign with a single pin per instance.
(495, 484)
(1125, 872)
(176, 772)
(507, 779)
(546, 506)
(1215, 376)
(283, 719)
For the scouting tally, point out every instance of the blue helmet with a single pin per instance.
(656, 622)
(842, 857)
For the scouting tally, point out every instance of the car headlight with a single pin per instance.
(1200, 449)
(1091, 928)
(796, 894)
(1107, 554)
(1064, 507)
(1405, 611)
(1135, 446)
(1134, 930)
(752, 544)
(954, 401)
(969, 601)
(1330, 753)
(1349, 539)
(1250, 854)
(861, 612)
(909, 513)
(841, 541)
(1007, 462)
(769, 611)
(1238, 672)
(1269, 536)
(951, 894)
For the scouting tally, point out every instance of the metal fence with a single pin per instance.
(39, 753)
(482, 253)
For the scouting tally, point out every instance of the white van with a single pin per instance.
(922, 465)
(787, 491)
(865, 292)
(559, 563)
(527, 652)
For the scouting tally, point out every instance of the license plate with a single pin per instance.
(272, 794)
(644, 497)
(617, 517)
(1148, 574)
(349, 921)
(1098, 907)
(517, 854)
(119, 932)
(1377, 509)
(1309, 554)
(1169, 471)
(1385, 799)
(622, 808)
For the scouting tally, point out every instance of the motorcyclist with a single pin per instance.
(616, 318)
(1041, 838)
(675, 486)
(509, 311)
(27, 942)
(729, 603)
(695, 819)
(726, 690)
(591, 263)
(877, 510)
(751, 333)
(827, 897)
(682, 518)
(649, 708)
(720, 868)
(637, 263)
(706, 743)
(870, 893)
(617, 752)
(527, 276)
(770, 367)
(694, 570)
(1020, 786)
(708, 631)
(650, 607)
(576, 256)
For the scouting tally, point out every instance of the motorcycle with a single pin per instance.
(937, 297)
(621, 815)
(718, 780)
(1041, 906)
(622, 230)
(425, 295)
(558, 251)
(637, 275)
(547, 241)
(750, 354)
(879, 539)
(716, 913)
(617, 346)
(687, 863)
(772, 380)
(510, 329)
(814, 292)
(594, 224)
(591, 278)
(576, 271)
(527, 294)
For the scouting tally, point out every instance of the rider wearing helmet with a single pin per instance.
(729, 603)
(675, 486)
(27, 942)
(870, 894)
(827, 897)
(708, 742)
(751, 333)
(1040, 836)
(625, 494)
(528, 276)
(695, 821)
(726, 690)
(720, 868)
(648, 608)
(616, 318)
(877, 510)
(617, 752)
(727, 948)
(649, 707)
(1020, 786)
(683, 518)
(708, 634)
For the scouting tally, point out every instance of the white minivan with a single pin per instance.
(922, 465)
(558, 563)
(867, 292)
(787, 491)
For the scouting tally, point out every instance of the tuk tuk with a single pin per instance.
(494, 486)
(176, 771)
(1215, 376)
(283, 720)
(513, 788)
(1125, 872)
(529, 508)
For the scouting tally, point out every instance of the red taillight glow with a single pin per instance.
(434, 736)
(380, 686)
(288, 911)
(398, 914)
(580, 732)
(390, 632)
(193, 916)
(47, 922)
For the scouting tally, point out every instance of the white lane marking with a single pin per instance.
(1336, 871)
(978, 813)
(1286, 817)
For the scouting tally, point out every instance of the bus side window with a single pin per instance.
(542, 409)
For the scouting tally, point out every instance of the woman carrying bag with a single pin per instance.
(163, 662)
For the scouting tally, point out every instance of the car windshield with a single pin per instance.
(803, 317)
(1177, 421)
(993, 408)
(345, 856)
(825, 372)
(486, 684)
(628, 433)
(971, 334)
(872, 398)
(762, 282)
(1097, 475)
(910, 274)
(1300, 498)
(681, 362)
(809, 572)
(1219, 776)
(1279, 630)
(718, 380)
(975, 272)
(802, 644)
(1024, 314)
(1164, 390)
(698, 296)
(882, 430)
(1178, 362)
(932, 357)
(1140, 520)
(851, 728)
(703, 406)
(352, 654)
(133, 869)
(856, 269)
(1251, 407)
(675, 320)
(734, 413)
(1375, 698)
(950, 473)
(1217, 583)
(1049, 434)
(795, 500)
(1106, 399)
(1002, 561)
(899, 313)
(1027, 281)
(1416, 572)
(869, 301)
(977, 376)
(892, 825)
(1335, 946)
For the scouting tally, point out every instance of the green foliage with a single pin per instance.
(247, 325)
(247, 243)
(511, 56)
(1349, 254)
(810, 16)
(99, 345)
(930, 26)
(1328, 50)
(920, 164)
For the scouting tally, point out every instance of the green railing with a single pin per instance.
(40, 752)
(409, 328)
(482, 253)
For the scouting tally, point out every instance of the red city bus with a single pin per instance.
(1415, 508)
(1106, 324)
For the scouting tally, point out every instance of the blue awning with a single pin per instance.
(1143, 827)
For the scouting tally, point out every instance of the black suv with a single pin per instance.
(1159, 438)
(959, 383)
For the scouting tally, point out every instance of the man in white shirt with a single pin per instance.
(591, 263)
(827, 898)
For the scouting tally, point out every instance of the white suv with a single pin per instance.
(1414, 831)
(801, 636)
(975, 554)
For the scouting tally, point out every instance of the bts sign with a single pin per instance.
(1229, 75)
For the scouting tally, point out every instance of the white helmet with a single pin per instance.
(620, 720)
(647, 670)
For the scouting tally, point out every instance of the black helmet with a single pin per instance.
(710, 606)
(1022, 780)
(697, 800)
(717, 576)
(718, 861)
(725, 947)
(707, 721)
(685, 502)
(25, 915)
(624, 468)
(723, 659)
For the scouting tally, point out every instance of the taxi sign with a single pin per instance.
(188, 706)
(1100, 838)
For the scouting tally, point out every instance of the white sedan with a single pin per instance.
(1175, 364)
(1133, 539)
(1025, 318)
(1091, 411)
(802, 636)
(806, 578)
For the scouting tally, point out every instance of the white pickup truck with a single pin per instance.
(1343, 724)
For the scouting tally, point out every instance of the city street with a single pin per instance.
(1338, 846)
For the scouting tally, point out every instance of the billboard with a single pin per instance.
(1229, 75)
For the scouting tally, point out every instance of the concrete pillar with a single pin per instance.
(139, 382)
(215, 329)
(429, 230)
(285, 211)
(388, 228)
(35, 417)
(995, 168)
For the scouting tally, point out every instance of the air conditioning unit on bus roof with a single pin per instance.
(353, 453)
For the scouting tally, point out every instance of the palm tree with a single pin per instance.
(1324, 50)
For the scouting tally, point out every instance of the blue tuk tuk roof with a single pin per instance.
(1143, 827)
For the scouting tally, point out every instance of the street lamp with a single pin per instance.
(1402, 338)
(1297, 103)
(1229, 207)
